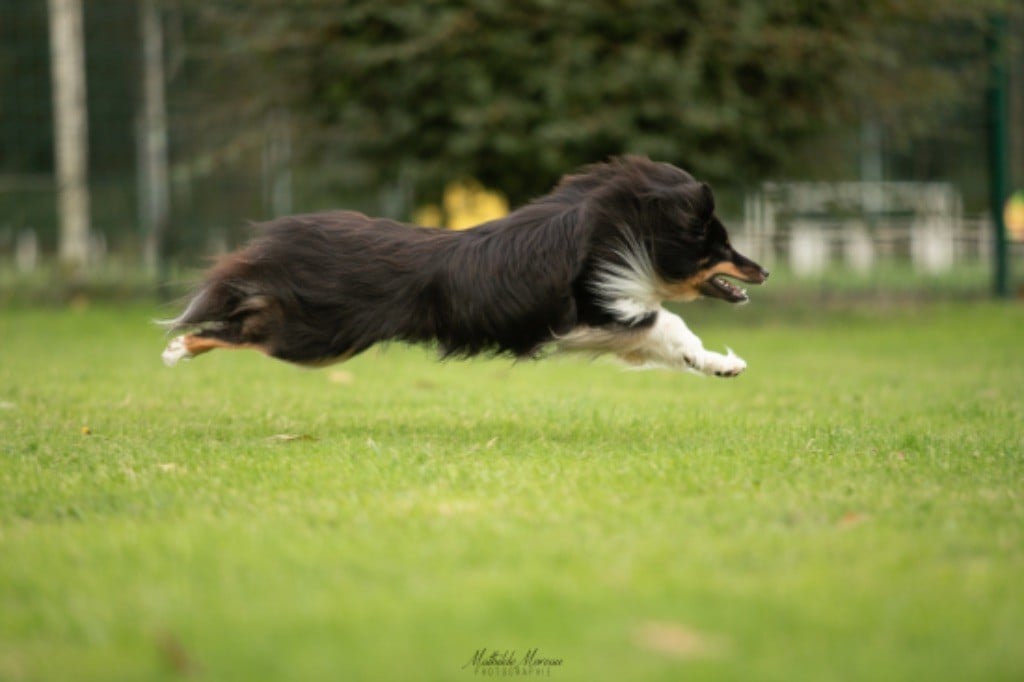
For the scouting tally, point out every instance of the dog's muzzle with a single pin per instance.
(739, 268)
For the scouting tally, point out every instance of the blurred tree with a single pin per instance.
(516, 92)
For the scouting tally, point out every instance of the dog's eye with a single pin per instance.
(716, 231)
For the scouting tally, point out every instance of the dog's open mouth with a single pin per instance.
(719, 287)
(746, 271)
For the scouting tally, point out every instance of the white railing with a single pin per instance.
(811, 226)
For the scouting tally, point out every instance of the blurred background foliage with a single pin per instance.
(380, 105)
(516, 93)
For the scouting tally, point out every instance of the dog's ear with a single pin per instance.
(692, 204)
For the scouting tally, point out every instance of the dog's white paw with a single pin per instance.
(728, 365)
(175, 351)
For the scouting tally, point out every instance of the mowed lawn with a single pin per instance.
(851, 508)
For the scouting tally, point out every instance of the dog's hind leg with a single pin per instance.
(176, 351)
(223, 323)
(188, 346)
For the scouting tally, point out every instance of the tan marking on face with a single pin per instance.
(685, 290)
(689, 288)
(730, 269)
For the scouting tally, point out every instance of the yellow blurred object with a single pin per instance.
(86, 431)
(1014, 216)
(466, 203)
(428, 216)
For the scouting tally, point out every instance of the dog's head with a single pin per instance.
(719, 261)
(686, 243)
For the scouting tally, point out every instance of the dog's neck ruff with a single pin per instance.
(628, 289)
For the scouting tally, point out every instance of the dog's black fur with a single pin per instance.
(322, 287)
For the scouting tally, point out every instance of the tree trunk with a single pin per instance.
(71, 131)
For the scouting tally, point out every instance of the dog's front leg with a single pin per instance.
(670, 343)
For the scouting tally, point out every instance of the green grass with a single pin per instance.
(851, 508)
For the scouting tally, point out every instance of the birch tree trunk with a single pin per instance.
(71, 131)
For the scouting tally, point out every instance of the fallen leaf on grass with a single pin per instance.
(851, 519)
(678, 641)
(288, 437)
(175, 656)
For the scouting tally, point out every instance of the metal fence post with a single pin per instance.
(999, 142)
